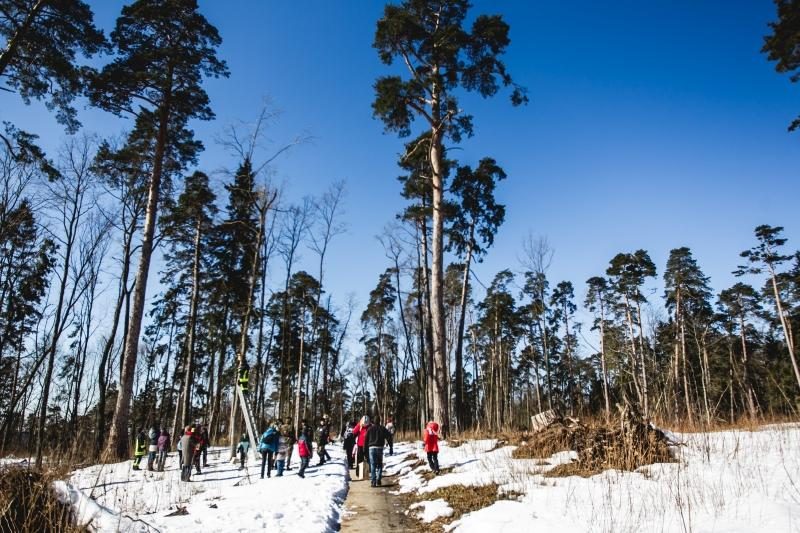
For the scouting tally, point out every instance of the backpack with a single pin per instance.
(268, 441)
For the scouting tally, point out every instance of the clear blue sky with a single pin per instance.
(650, 125)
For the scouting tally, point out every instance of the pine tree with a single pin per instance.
(628, 272)
(42, 40)
(766, 257)
(187, 228)
(597, 301)
(163, 49)
(781, 46)
(687, 297)
(475, 222)
(442, 56)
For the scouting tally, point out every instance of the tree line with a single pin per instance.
(107, 219)
(87, 353)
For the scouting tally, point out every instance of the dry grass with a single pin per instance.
(27, 502)
(429, 475)
(462, 499)
(553, 439)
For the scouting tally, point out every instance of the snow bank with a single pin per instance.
(222, 498)
(93, 516)
(430, 510)
(731, 481)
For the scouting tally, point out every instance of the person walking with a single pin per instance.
(288, 430)
(349, 443)
(304, 452)
(430, 438)
(139, 448)
(390, 429)
(376, 439)
(199, 443)
(323, 436)
(280, 456)
(267, 446)
(188, 446)
(163, 449)
(308, 432)
(205, 445)
(361, 437)
(152, 450)
(244, 446)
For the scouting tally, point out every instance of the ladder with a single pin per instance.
(249, 421)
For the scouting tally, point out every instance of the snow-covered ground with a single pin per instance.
(731, 481)
(222, 498)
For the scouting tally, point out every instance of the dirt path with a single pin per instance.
(371, 510)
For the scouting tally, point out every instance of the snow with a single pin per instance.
(731, 481)
(430, 510)
(222, 498)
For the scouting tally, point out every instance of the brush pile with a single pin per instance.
(627, 444)
(28, 503)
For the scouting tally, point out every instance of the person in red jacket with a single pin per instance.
(360, 432)
(430, 437)
(304, 452)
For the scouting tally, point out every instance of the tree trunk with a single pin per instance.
(787, 330)
(118, 444)
(71, 225)
(188, 379)
(459, 355)
(603, 358)
(748, 388)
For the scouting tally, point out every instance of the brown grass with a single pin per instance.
(553, 439)
(463, 499)
(27, 503)
(428, 475)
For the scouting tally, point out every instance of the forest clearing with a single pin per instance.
(526, 265)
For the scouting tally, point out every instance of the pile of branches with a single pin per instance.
(627, 444)
(28, 503)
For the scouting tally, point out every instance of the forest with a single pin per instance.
(131, 292)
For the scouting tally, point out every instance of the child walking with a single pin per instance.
(305, 454)
(431, 439)
(244, 446)
(283, 451)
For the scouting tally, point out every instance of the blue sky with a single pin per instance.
(650, 125)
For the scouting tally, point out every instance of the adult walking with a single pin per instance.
(361, 436)
(349, 443)
(164, 445)
(188, 445)
(268, 446)
(323, 438)
(390, 429)
(376, 439)
(205, 445)
(140, 446)
(152, 450)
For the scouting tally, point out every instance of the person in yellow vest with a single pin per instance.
(140, 448)
(244, 376)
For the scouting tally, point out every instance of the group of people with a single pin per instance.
(156, 443)
(364, 442)
(276, 446)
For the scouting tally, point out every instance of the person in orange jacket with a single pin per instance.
(430, 437)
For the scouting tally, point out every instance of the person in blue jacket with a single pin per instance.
(244, 446)
(268, 446)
